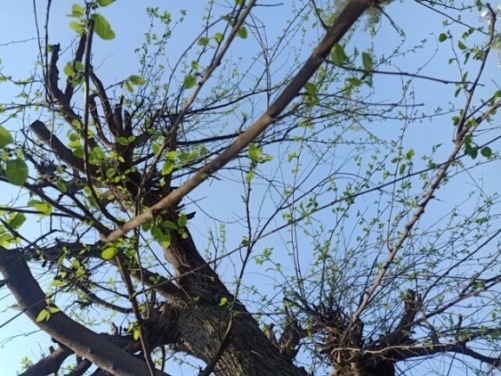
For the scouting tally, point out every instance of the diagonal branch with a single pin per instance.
(353, 10)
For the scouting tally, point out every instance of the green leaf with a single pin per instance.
(218, 37)
(338, 55)
(310, 88)
(403, 166)
(410, 154)
(204, 41)
(189, 81)
(77, 11)
(17, 221)
(105, 3)
(353, 81)
(242, 32)
(77, 26)
(442, 37)
(68, 69)
(53, 309)
(137, 80)
(5, 137)
(169, 225)
(109, 253)
(486, 152)
(168, 168)
(43, 315)
(16, 171)
(254, 153)
(135, 334)
(182, 220)
(461, 45)
(102, 27)
(367, 61)
(250, 176)
(223, 301)
(43, 207)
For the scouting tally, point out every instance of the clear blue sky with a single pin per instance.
(18, 50)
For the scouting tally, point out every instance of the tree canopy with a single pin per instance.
(297, 188)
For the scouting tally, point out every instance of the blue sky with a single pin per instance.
(116, 60)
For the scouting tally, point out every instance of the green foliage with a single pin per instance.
(203, 41)
(367, 61)
(137, 80)
(46, 313)
(5, 137)
(102, 27)
(242, 32)
(16, 171)
(338, 55)
(218, 37)
(109, 252)
(189, 81)
(105, 3)
(42, 207)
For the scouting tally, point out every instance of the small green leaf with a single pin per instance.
(353, 81)
(367, 61)
(77, 11)
(223, 301)
(250, 176)
(5, 137)
(105, 3)
(218, 37)
(182, 220)
(338, 55)
(53, 309)
(17, 221)
(102, 27)
(254, 153)
(168, 168)
(16, 171)
(77, 26)
(403, 166)
(486, 152)
(135, 334)
(169, 225)
(137, 80)
(68, 69)
(43, 315)
(242, 32)
(204, 41)
(410, 154)
(194, 65)
(310, 88)
(43, 207)
(442, 37)
(461, 45)
(109, 253)
(189, 81)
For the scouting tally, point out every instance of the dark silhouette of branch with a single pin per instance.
(85, 343)
(50, 363)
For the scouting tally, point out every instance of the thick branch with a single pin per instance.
(60, 150)
(85, 343)
(49, 364)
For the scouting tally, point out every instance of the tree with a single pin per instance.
(371, 256)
